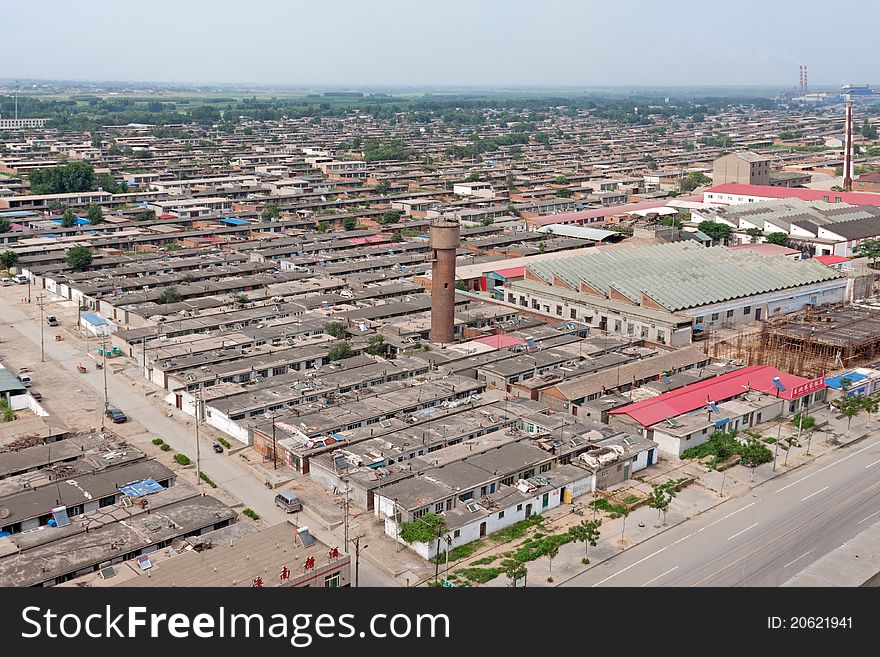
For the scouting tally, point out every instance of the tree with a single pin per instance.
(514, 570)
(390, 217)
(661, 497)
(376, 345)
(336, 329)
(561, 180)
(564, 193)
(693, 180)
(349, 223)
(169, 295)
(271, 212)
(461, 285)
(778, 238)
(68, 219)
(107, 183)
(849, 407)
(550, 552)
(717, 231)
(95, 214)
(8, 259)
(323, 226)
(421, 530)
(62, 179)
(754, 233)
(147, 215)
(340, 352)
(79, 257)
(672, 221)
(487, 221)
(868, 131)
(5, 226)
(869, 249)
(473, 177)
(587, 532)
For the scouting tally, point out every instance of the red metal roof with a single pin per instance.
(596, 213)
(765, 191)
(831, 259)
(721, 388)
(511, 272)
(499, 341)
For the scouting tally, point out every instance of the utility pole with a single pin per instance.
(104, 369)
(345, 515)
(776, 451)
(274, 457)
(198, 453)
(40, 298)
(357, 556)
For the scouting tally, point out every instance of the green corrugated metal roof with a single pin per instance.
(683, 275)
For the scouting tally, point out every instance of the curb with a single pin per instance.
(702, 511)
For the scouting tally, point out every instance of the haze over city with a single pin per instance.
(456, 42)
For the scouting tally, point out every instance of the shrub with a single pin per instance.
(165, 447)
(223, 442)
(158, 441)
(479, 575)
(516, 530)
(207, 479)
(250, 513)
(182, 459)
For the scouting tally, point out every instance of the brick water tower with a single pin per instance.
(445, 239)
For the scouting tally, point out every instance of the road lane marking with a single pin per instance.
(871, 464)
(799, 558)
(659, 576)
(786, 534)
(743, 531)
(868, 518)
(715, 522)
(812, 494)
(684, 538)
(826, 467)
(632, 565)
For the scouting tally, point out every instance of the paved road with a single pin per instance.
(764, 538)
(224, 470)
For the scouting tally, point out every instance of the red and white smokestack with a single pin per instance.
(848, 148)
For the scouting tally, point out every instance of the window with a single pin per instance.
(507, 481)
(519, 507)
(438, 507)
(574, 313)
(617, 326)
(545, 467)
(332, 581)
(500, 515)
(747, 310)
(419, 513)
(714, 316)
(456, 533)
(559, 310)
(619, 466)
(729, 314)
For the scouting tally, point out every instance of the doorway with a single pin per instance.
(482, 529)
(528, 510)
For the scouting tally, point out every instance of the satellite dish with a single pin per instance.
(4, 512)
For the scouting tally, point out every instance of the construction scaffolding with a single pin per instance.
(809, 344)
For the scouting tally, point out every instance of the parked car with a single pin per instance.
(218, 448)
(116, 415)
(5, 282)
(51, 320)
(289, 502)
(25, 380)
(36, 395)
(21, 279)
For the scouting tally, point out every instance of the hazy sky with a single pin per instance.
(445, 42)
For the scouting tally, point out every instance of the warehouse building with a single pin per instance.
(661, 293)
